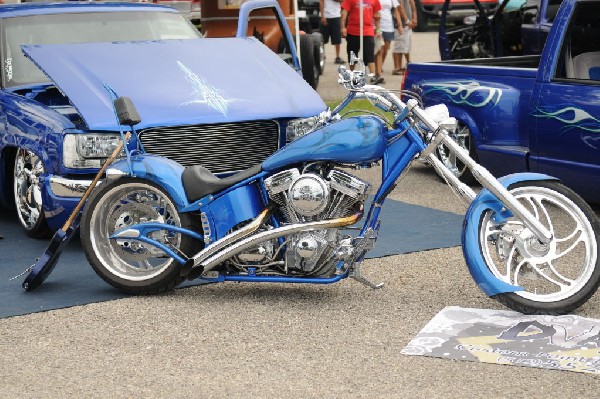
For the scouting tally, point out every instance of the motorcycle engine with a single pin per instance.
(305, 197)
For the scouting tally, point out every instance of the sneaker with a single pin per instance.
(377, 80)
(338, 60)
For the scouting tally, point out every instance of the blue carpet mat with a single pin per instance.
(404, 228)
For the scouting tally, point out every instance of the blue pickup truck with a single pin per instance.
(528, 113)
(226, 103)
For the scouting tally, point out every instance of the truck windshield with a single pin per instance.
(86, 27)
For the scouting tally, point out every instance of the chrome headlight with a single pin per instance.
(297, 128)
(88, 150)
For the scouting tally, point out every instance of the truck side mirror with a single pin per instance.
(126, 111)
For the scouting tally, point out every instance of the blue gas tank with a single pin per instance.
(353, 140)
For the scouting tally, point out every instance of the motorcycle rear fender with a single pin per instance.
(485, 200)
(160, 170)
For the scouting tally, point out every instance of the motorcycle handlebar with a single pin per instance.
(431, 117)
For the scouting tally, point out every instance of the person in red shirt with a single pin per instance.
(351, 30)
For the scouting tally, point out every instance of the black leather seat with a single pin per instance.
(199, 181)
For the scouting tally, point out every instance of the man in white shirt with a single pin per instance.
(331, 25)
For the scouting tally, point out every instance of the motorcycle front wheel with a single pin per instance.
(557, 277)
(131, 265)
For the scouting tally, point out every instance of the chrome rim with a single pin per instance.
(550, 272)
(462, 136)
(321, 57)
(124, 206)
(27, 191)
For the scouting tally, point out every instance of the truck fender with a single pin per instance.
(160, 170)
(484, 201)
(465, 117)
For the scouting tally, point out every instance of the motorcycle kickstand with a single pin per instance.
(357, 275)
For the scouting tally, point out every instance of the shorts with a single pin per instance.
(353, 44)
(333, 29)
(402, 41)
(387, 36)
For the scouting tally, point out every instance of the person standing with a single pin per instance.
(331, 26)
(390, 18)
(351, 30)
(402, 42)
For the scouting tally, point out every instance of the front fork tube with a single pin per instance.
(488, 181)
(465, 193)
(483, 176)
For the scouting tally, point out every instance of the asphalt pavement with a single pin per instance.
(235, 340)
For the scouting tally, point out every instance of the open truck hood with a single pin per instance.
(177, 82)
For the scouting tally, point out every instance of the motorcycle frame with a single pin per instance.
(405, 141)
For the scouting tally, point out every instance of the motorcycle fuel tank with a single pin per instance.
(353, 140)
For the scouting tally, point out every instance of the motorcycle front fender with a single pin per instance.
(484, 201)
(160, 170)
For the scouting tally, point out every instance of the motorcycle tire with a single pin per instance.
(130, 265)
(557, 277)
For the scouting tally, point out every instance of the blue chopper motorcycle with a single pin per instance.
(528, 241)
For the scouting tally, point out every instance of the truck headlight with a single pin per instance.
(88, 150)
(297, 128)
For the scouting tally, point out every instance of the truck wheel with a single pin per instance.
(310, 67)
(28, 168)
(422, 18)
(464, 138)
(319, 51)
(128, 264)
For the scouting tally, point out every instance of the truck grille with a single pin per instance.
(223, 147)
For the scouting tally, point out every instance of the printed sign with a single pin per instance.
(504, 337)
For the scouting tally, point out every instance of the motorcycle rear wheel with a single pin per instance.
(557, 277)
(130, 265)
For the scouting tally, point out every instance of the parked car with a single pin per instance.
(457, 10)
(311, 21)
(517, 27)
(224, 103)
(528, 113)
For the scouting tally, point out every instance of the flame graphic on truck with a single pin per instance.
(469, 93)
(572, 117)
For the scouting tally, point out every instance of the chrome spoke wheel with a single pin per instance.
(552, 272)
(27, 192)
(462, 136)
(123, 206)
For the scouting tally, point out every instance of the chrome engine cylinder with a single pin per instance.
(309, 195)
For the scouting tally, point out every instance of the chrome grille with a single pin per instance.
(223, 147)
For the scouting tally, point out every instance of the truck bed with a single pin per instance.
(520, 66)
(526, 61)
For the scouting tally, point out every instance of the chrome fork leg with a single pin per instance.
(488, 181)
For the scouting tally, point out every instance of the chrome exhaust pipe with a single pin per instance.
(213, 256)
